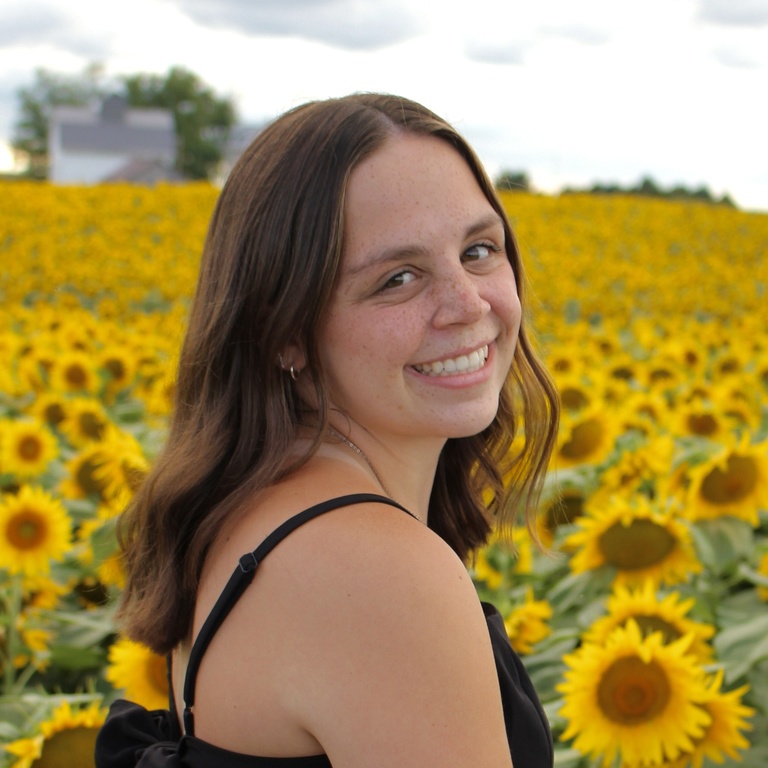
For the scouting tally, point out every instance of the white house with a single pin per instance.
(111, 142)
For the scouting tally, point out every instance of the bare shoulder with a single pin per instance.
(393, 644)
(368, 642)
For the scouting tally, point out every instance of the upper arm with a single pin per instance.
(396, 657)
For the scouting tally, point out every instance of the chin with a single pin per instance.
(472, 427)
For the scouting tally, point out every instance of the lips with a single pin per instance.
(451, 366)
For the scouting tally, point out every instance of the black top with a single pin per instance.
(132, 737)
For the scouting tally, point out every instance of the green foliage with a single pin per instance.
(647, 187)
(514, 180)
(202, 119)
(49, 90)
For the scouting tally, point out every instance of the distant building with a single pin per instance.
(111, 142)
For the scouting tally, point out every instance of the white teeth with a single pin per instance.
(461, 364)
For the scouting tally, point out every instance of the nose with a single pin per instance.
(458, 299)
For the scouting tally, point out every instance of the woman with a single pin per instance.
(356, 342)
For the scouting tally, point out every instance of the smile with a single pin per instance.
(453, 365)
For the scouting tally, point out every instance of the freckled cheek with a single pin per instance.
(380, 343)
(506, 305)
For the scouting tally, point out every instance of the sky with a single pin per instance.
(571, 93)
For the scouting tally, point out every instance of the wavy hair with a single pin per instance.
(268, 271)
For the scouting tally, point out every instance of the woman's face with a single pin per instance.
(422, 329)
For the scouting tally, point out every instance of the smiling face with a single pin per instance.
(421, 332)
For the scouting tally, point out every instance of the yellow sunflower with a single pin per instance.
(634, 698)
(733, 482)
(119, 365)
(585, 438)
(700, 418)
(663, 375)
(644, 410)
(740, 404)
(26, 751)
(139, 672)
(50, 407)
(85, 421)
(523, 546)
(640, 540)
(111, 571)
(563, 509)
(527, 624)
(723, 734)
(484, 571)
(68, 739)
(43, 592)
(35, 639)
(667, 615)
(640, 466)
(26, 448)
(82, 480)
(74, 371)
(575, 392)
(35, 529)
(121, 465)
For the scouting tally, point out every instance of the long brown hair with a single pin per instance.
(269, 268)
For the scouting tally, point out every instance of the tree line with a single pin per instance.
(646, 187)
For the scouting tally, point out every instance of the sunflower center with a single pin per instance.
(75, 375)
(573, 398)
(92, 425)
(632, 692)
(54, 413)
(660, 374)
(116, 369)
(736, 482)
(585, 439)
(563, 511)
(638, 545)
(26, 530)
(650, 624)
(86, 479)
(30, 448)
(704, 424)
(74, 746)
(623, 373)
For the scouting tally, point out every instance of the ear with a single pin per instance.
(292, 356)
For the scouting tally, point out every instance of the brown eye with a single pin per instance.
(401, 278)
(480, 251)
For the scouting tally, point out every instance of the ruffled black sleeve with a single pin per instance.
(134, 737)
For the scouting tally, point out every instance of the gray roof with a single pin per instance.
(109, 137)
(113, 127)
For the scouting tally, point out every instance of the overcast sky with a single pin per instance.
(571, 92)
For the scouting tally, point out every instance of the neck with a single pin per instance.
(413, 467)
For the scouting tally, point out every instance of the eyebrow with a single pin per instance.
(398, 252)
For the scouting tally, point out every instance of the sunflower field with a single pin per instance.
(643, 620)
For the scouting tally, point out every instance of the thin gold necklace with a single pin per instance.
(360, 452)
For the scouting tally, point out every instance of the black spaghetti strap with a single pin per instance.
(243, 576)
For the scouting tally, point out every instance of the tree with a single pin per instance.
(36, 102)
(202, 119)
(517, 180)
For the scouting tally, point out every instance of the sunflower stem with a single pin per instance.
(12, 645)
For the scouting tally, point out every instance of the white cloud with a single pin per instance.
(748, 13)
(344, 23)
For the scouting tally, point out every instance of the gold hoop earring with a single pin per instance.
(294, 373)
